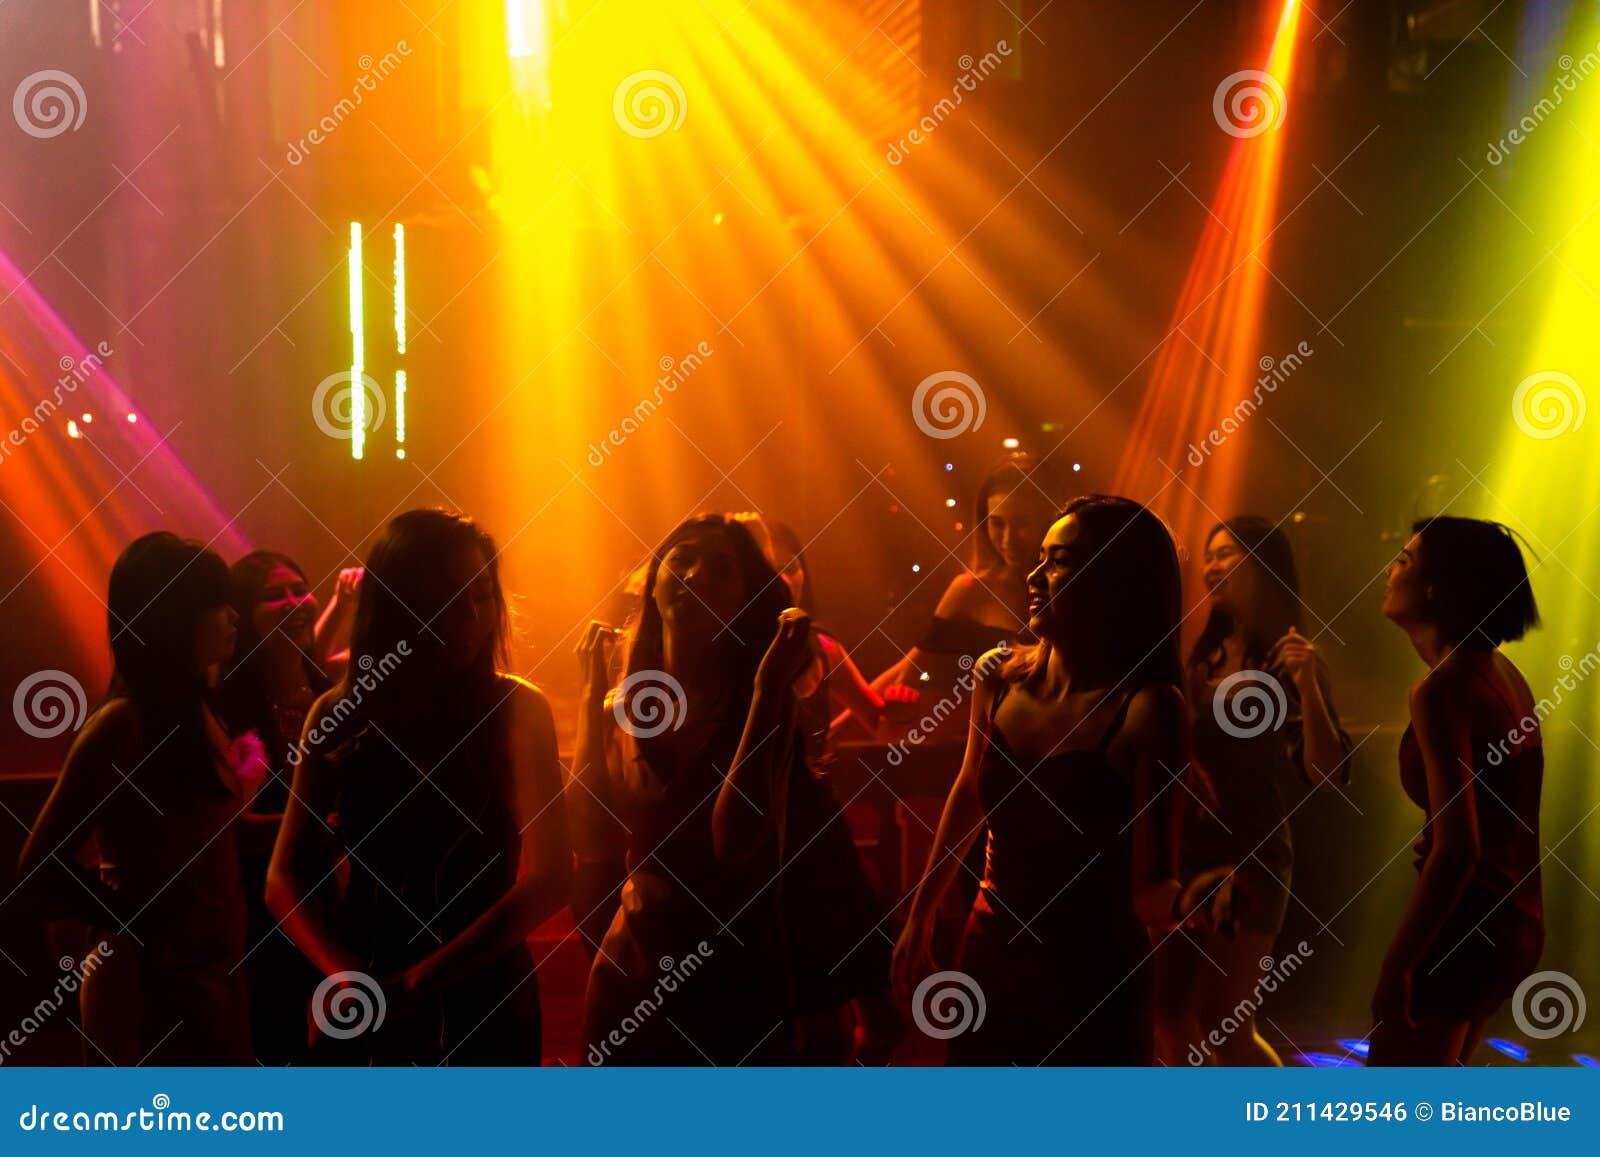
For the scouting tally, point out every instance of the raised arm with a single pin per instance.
(1324, 748)
(544, 883)
(306, 854)
(959, 825)
(752, 793)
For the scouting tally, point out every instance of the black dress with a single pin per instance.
(427, 859)
(1495, 934)
(1053, 942)
(695, 967)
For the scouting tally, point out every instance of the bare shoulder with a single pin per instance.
(1447, 686)
(1156, 710)
(528, 703)
(114, 730)
(964, 596)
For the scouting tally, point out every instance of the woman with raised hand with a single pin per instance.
(682, 771)
(1263, 716)
(443, 772)
(1072, 752)
(154, 780)
(986, 605)
(268, 687)
(1472, 759)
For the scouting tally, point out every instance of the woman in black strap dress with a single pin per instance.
(1472, 759)
(1073, 748)
(443, 775)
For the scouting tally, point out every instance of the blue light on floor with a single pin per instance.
(1327, 1061)
(1586, 1060)
(1511, 1049)
(1359, 1047)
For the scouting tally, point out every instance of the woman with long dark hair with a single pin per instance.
(1263, 714)
(1472, 759)
(154, 780)
(683, 770)
(269, 687)
(986, 605)
(1073, 747)
(843, 1007)
(443, 772)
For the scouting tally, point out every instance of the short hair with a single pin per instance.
(1481, 592)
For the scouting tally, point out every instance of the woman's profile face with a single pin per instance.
(698, 585)
(214, 639)
(1015, 521)
(467, 623)
(1405, 594)
(1053, 603)
(286, 605)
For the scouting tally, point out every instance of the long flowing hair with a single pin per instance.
(161, 588)
(1268, 550)
(1133, 583)
(739, 644)
(401, 597)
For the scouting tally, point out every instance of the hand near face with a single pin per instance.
(1295, 655)
(788, 653)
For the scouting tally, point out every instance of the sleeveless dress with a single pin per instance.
(1053, 942)
(1495, 934)
(169, 850)
(427, 859)
(695, 967)
(1251, 827)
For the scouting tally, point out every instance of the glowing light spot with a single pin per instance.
(1359, 1047)
(72, 429)
(1011, 443)
(924, 677)
(1077, 466)
(949, 465)
(133, 418)
(717, 219)
(1510, 1048)
(1586, 1060)
(916, 568)
(1327, 1061)
(949, 501)
(87, 418)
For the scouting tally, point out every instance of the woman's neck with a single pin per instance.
(1067, 672)
(1429, 644)
(283, 669)
(691, 662)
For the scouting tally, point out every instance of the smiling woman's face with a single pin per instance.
(1052, 601)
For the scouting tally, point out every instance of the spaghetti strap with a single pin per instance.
(1116, 723)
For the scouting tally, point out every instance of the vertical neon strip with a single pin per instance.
(399, 413)
(400, 339)
(358, 358)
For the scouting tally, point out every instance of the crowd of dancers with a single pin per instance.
(277, 815)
